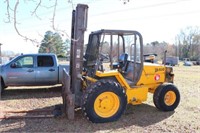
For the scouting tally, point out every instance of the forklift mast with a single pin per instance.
(79, 26)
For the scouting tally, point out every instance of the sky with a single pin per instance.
(156, 20)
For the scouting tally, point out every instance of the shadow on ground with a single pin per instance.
(141, 115)
(31, 92)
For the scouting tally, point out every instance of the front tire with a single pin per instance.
(2, 86)
(166, 97)
(0, 91)
(104, 101)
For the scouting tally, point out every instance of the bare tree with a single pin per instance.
(189, 42)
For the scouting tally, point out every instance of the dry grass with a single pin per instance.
(141, 118)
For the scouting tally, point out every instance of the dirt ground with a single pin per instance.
(141, 118)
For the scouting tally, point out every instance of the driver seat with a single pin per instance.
(122, 61)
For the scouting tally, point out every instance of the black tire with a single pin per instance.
(92, 96)
(166, 97)
(2, 86)
(0, 91)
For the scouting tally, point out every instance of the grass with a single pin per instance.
(141, 118)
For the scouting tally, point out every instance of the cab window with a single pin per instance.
(24, 62)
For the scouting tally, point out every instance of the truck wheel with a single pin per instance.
(0, 91)
(2, 86)
(104, 101)
(166, 97)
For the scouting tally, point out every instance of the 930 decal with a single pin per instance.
(159, 69)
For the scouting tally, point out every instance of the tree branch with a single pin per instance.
(62, 32)
(54, 14)
(15, 25)
(125, 1)
(8, 11)
(35, 10)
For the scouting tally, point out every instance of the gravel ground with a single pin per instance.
(141, 118)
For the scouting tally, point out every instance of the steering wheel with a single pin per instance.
(102, 57)
(18, 64)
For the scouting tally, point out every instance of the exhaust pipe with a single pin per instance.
(165, 56)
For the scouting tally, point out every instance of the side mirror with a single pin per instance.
(13, 65)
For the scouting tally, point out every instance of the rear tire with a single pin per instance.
(166, 97)
(104, 101)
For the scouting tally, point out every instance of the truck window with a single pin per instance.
(45, 61)
(26, 61)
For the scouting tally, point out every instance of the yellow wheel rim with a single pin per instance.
(106, 104)
(170, 98)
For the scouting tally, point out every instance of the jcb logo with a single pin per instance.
(159, 69)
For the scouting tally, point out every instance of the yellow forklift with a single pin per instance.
(111, 73)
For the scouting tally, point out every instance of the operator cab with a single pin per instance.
(111, 50)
